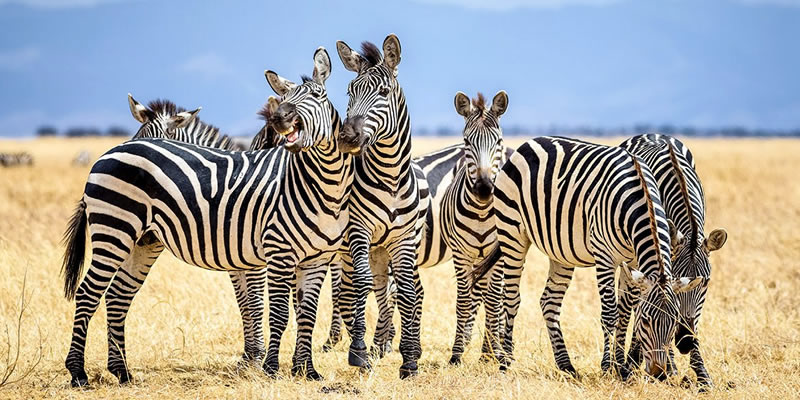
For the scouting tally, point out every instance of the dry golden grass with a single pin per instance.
(184, 331)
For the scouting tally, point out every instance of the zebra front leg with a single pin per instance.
(335, 333)
(307, 289)
(356, 285)
(609, 313)
(385, 291)
(698, 366)
(409, 302)
(493, 302)
(464, 306)
(279, 277)
(629, 297)
(558, 281)
(126, 283)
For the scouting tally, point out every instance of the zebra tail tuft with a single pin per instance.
(75, 241)
(485, 265)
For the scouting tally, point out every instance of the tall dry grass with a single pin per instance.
(183, 332)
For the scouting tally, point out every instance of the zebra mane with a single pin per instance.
(305, 78)
(673, 158)
(267, 137)
(479, 102)
(371, 54)
(202, 131)
(662, 276)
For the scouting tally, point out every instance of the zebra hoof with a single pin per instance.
(569, 369)
(624, 373)
(408, 370)
(271, 369)
(79, 379)
(307, 371)
(327, 347)
(455, 359)
(357, 356)
(122, 375)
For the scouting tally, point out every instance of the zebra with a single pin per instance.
(673, 167)
(16, 159)
(283, 208)
(466, 219)
(583, 205)
(385, 203)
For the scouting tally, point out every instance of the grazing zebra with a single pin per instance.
(283, 208)
(385, 203)
(466, 219)
(682, 194)
(15, 159)
(586, 205)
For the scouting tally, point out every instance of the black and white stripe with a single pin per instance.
(283, 209)
(585, 205)
(673, 167)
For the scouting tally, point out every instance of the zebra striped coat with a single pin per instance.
(220, 210)
(673, 167)
(585, 205)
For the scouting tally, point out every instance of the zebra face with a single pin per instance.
(160, 124)
(303, 114)
(483, 141)
(375, 95)
(692, 259)
(656, 317)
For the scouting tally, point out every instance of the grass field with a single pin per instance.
(184, 335)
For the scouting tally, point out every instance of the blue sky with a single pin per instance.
(603, 63)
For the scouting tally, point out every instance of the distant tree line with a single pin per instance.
(668, 129)
(47, 130)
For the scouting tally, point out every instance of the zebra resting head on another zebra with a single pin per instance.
(483, 141)
(367, 110)
(292, 117)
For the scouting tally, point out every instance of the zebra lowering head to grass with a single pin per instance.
(385, 203)
(681, 192)
(467, 216)
(586, 205)
(283, 209)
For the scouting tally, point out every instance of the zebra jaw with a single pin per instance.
(293, 136)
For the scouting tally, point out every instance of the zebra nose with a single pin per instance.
(484, 188)
(286, 111)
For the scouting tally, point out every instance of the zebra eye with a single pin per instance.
(384, 91)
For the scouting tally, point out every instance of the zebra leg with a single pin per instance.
(609, 313)
(558, 281)
(106, 260)
(698, 366)
(409, 302)
(279, 278)
(309, 284)
(356, 284)
(514, 251)
(384, 289)
(628, 301)
(126, 283)
(493, 303)
(464, 306)
(335, 333)
(249, 289)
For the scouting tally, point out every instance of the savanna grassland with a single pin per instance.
(184, 334)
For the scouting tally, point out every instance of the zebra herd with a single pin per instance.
(315, 192)
(15, 159)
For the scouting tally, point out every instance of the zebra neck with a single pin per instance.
(389, 161)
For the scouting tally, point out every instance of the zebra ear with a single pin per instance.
(391, 51)
(139, 112)
(716, 239)
(636, 278)
(182, 119)
(322, 65)
(684, 284)
(352, 61)
(463, 105)
(500, 103)
(280, 85)
(677, 238)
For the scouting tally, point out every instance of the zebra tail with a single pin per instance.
(485, 265)
(75, 241)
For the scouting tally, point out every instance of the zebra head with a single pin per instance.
(375, 95)
(161, 119)
(483, 141)
(656, 316)
(303, 116)
(691, 258)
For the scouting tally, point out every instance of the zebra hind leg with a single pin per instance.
(279, 278)
(558, 281)
(628, 301)
(335, 333)
(609, 314)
